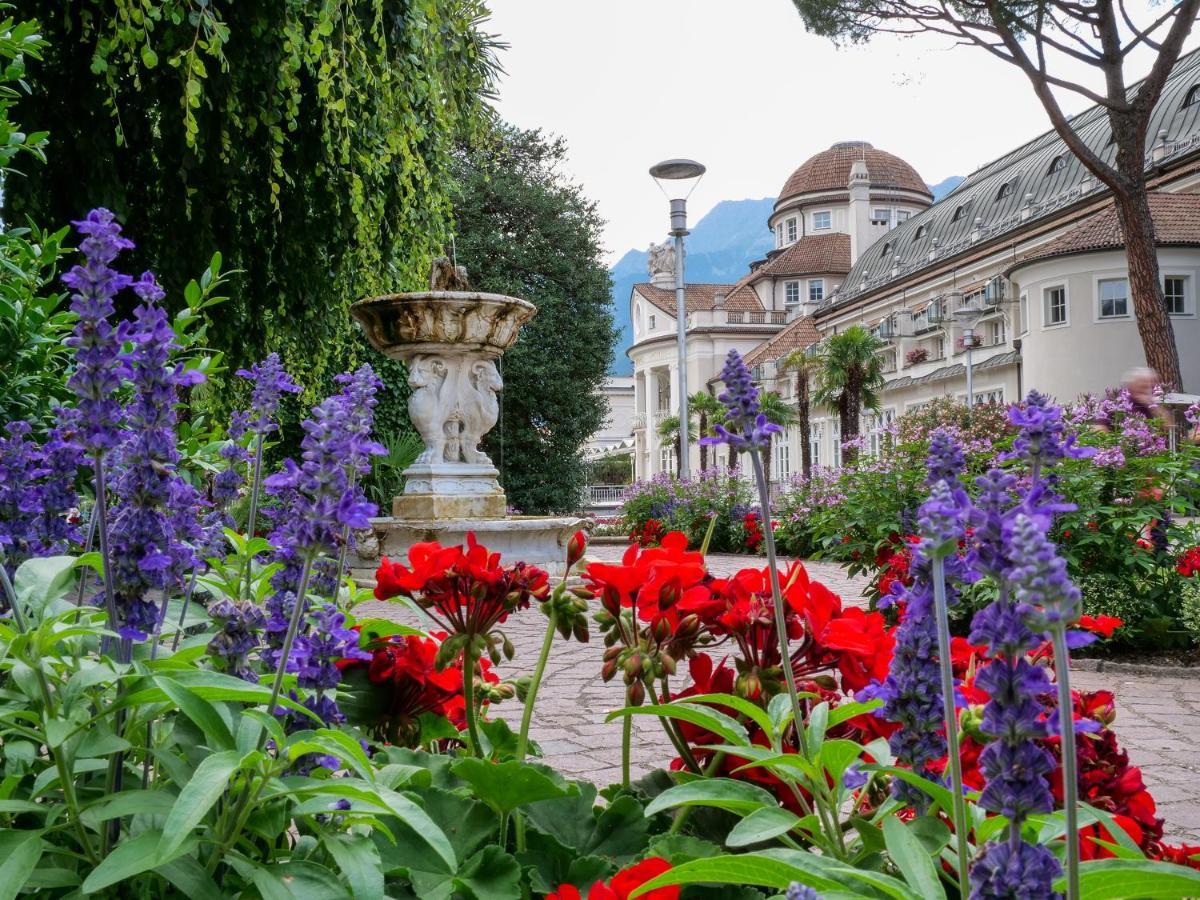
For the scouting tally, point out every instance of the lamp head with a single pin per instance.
(677, 178)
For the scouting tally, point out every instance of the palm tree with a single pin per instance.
(708, 410)
(850, 379)
(668, 431)
(804, 367)
(778, 412)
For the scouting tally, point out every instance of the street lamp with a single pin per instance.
(677, 178)
(971, 316)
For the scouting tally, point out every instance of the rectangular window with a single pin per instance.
(902, 215)
(997, 331)
(1175, 293)
(822, 221)
(783, 451)
(1056, 306)
(651, 321)
(1114, 298)
(791, 292)
(1023, 314)
(816, 290)
(881, 216)
(791, 231)
(835, 429)
(666, 459)
(814, 444)
(779, 235)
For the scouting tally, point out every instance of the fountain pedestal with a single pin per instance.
(450, 341)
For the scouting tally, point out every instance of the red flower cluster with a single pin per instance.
(648, 534)
(624, 883)
(894, 560)
(753, 530)
(403, 682)
(1189, 563)
(466, 590)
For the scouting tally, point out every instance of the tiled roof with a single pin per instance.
(814, 254)
(698, 297)
(1041, 173)
(829, 170)
(1176, 221)
(798, 334)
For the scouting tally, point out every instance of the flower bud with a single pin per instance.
(509, 650)
(636, 694)
(633, 665)
(580, 630)
(668, 663)
(668, 594)
(576, 547)
(662, 630)
(582, 593)
(611, 600)
(608, 670)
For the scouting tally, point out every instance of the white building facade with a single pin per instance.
(1026, 253)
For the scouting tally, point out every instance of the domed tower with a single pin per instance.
(850, 189)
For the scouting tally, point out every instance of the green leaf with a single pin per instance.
(358, 860)
(198, 796)
(298, 880)
(751, 711)
(491, 874)
(746, 868)
(420, 824)
(129, 803)
(186, 874)
(131, 857)
(42, 580)
(20, 852)
(199, 711)
(508, 785)
(1135, 879)
(761, 825)
(911, 859)
(702, 716)
(722, 793)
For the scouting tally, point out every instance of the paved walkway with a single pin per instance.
(1158, 720)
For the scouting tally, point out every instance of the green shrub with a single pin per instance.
(689, 505)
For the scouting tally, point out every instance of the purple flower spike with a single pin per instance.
(270, 383)
(99, 366)
(1007, 870)
(238, 637)
(1041, 441)
(745, 428)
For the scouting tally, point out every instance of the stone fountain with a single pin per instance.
(450, 339)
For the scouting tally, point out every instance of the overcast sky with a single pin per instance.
(741, 87)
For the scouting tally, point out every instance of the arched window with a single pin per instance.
(1057, 165)
(921, 229)
(1005, 190)
(959, 211)
(886, 247)
(1193, 96)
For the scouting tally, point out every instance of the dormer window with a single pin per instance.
(886, 247)
(650, 323)
(1057, 165)
(1193, 96)
(959, 212)
(791, 230)
(921, 230)
(1005, 191)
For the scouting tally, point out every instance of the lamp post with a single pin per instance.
(677, 178)
(971, 317)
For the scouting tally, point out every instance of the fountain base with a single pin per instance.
(449, 491)
(538, 540)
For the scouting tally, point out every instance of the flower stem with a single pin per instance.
(187, 600)
(288, 639)
(252, 516)
(764, 502)
(626, 741)
(101, 513)
(469, 697)
(1066, 721)
(531, 695)
(87, 548)
(950, 712)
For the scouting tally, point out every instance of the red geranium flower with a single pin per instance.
(1189, 563)
(624, 883)
(1101, 625)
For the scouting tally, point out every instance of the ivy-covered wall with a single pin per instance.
(308, 140)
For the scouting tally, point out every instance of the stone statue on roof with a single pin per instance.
(662, 259)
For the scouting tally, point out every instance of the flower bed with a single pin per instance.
(216, 722)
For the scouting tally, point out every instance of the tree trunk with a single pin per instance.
(1145, 287)
(678, 456)
(766, 458)
(703, 446)
(803, 423)
(851, 409)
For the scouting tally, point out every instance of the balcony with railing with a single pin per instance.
(605, 495)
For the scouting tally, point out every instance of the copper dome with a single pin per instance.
(829, 170)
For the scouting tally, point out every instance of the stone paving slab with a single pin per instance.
(1158, 720)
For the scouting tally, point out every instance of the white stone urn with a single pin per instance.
(450, 341)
